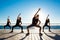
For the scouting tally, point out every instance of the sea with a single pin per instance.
(24, 25)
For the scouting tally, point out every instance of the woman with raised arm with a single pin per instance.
(47, 23)
(8, 23)
(35, 21)
(18, 23)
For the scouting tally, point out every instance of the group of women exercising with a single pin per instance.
(35, 22)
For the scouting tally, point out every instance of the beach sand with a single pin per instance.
(34, 34)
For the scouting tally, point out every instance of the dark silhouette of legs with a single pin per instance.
(28, 29)
(21, 28)
(40, 34)
(49, 28)
(7, 25)
(39, 28)
(13, 28)
(36, 26)
(43, 28)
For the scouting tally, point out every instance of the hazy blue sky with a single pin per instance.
(28, 8)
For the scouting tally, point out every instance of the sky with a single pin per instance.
(28, 8)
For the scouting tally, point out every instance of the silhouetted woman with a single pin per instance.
(47, 23)
(35, 21)
(8, 23)
(18, 23)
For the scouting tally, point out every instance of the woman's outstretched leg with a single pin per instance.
(9, 26)
(21, 29)
(43, 28)
(49, 28)
(28, 29)
(12, 28)
(39, 30)
(5, 26)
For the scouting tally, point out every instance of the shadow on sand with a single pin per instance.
(24, 37)
(56, 37)
(28, 35)
(9, 36)
(4, 34)
(40, 37)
